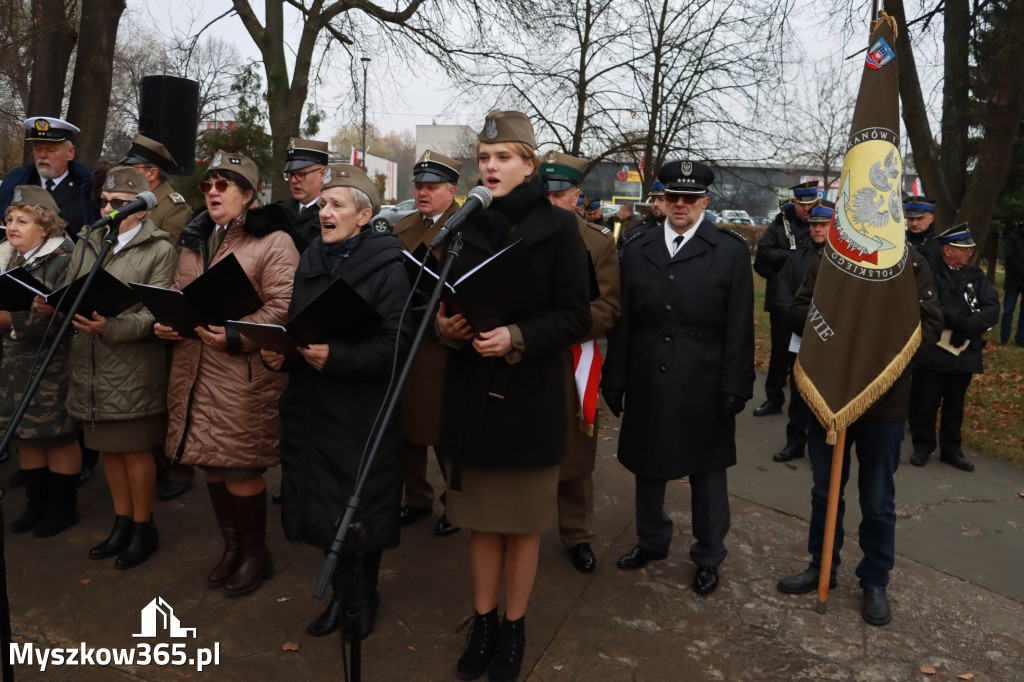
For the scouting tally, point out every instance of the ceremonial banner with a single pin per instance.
(586, 365)
(863, 325)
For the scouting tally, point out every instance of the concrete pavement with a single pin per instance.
(956, 591)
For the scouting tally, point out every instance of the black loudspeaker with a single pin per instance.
(169, 114)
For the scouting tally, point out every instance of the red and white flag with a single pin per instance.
(586, 365)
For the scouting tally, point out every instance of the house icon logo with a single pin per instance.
(158, 615)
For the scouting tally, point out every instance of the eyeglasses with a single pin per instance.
(221, 184)
(115, 204)
(299, 175)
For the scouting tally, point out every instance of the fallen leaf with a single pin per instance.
(412, 648)
(965, 676)
(280, 599)
(558, 667)
(606, 438)
(1021, 493)
(85, 581)
(927, 670)
(17, 638)
(290, 646)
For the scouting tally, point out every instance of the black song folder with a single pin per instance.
(223, 292)
(338, 312)
(107, 295)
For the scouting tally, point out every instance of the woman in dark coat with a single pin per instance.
(336, 389)
(503, 424)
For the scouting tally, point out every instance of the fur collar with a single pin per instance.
(259, 222)
(51, 245)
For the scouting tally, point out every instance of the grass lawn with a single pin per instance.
(994, 415)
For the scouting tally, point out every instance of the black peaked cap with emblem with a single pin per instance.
(686, 177)
(148, 151)
(806, 192)
(434, 167)
(305, 153)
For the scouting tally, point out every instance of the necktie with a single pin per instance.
(49, 185)
(676, 243)
(301, 209)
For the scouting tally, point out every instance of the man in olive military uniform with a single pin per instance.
(563, 174)
(304, 172)
(54, 169)
(434, 179)
(942, 373)
(920, 213)
(682, 359)
(171, 212)
(788, 232)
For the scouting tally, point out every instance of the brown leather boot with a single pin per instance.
(224, 510)
(255, 565)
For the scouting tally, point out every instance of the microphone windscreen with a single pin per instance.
(482, 194)
(149, 198)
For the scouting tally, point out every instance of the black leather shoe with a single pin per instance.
(444, 527)
(328, 621)
(768, 407)
(117, 541)
(958, 461)
(408, 514)
(168, 490)
(802, 583)
(706, 580)
(583, 558)
(638, 558)
(876, 607)
(84, 475)
(919, 459)
(145, 540)
(787, 453)
(278, 498)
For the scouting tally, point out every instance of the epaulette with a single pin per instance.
(176, 198)
(600, 228)
(734, 233)
(636, 235)
(604, 230)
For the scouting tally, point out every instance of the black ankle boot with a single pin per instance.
(371, 598)
(118, 539)
(330, 620)
(144, 541)
(483, 639)
(508, 655)
(37, 490)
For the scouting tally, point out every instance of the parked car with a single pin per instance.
(736, 217)
(710, 217)
(608, 210)
(389, 215)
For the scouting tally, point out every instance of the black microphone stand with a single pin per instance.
(19, 412)
(346, 525)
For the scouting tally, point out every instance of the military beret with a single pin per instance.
(917, 206)
(823, 212)
(806, 192)
(657, 189)
(47, 129)
(957, 236)
(125, 179)
(508, 126)
(561, 171)
(34, 195)
(236, 163)
(434, 167)
(303, 153)
(346, 175)
(686, 177)
(150, 152)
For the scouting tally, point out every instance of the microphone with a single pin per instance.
(144, 201)
(479, 198)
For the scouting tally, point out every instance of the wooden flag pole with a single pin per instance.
(832, 510)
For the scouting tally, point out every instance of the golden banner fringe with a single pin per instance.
(585, 427)
(887, 19)
(834, 422)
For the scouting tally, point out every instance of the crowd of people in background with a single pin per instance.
(511, 411)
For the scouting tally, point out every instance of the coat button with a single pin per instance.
(668, 307)
(671, 278)
(663, 369)
(667, 339)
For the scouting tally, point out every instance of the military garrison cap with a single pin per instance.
(47, 129)
(508, 126)
(823, 213)
(561, 171)
(303, 153)
(125, 179)
(434, 167)
(347, 175)
(917, 206)
(236, 163)
(34, 195)
(150, 152)
(805, 192)
(957, 236)
(686, 177)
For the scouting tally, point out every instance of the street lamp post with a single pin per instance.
(366, 64)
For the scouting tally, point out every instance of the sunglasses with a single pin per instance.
(221, 184)
(300, 175)
(115, 204)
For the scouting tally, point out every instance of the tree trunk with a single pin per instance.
(956, 97)
(52, 44)
(90, 89)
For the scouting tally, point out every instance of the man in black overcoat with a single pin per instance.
(304, 172)
(788, 232)
(681, 359)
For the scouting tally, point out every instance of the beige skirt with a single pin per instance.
(521, 501)
(130, 435)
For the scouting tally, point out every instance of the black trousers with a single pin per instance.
(930, 390)
(798, 412)
(709, 506)
(778, 362)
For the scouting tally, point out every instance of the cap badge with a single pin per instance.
(216, 159)
(234, 160)
(687, 168)
(291, 145)
(327, 175)
(426, 156)
(550, 158)
(42, 125)
(110, 181)
(17, 196)
(491, 129)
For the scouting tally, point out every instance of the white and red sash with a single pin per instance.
(586, 364)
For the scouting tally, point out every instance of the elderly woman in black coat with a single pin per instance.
(503, 423)
(336, 389)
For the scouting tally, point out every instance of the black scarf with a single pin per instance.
(507, 211)
(335, 253)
